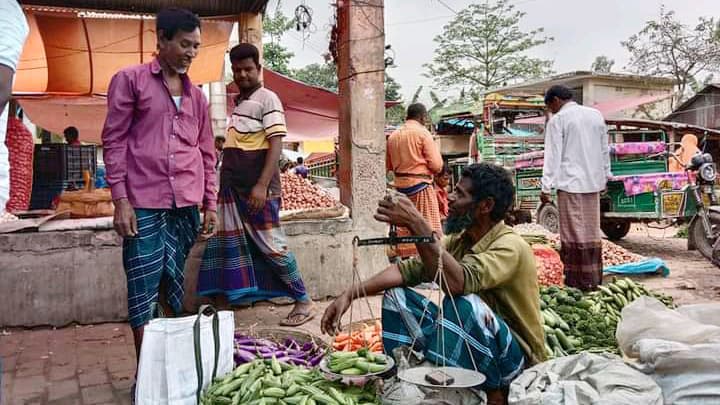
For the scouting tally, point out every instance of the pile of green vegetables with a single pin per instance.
(612, 297)
(357, 363)
(575, 322)
(264, 382)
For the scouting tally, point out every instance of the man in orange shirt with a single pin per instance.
(414, 159)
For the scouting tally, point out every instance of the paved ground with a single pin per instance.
(95, 364)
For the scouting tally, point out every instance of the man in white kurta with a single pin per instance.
(13, 31)
(577, 166)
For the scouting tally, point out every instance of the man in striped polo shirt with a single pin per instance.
(249, 260)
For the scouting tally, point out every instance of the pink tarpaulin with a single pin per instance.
(311, 112)
(55, 113)
(650, 182)
(609, 109)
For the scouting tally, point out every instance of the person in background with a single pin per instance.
(414, 158)
(688, 148)
(249, 259)
(13, 32)
(577, 165)
(473, 156)
(72, 136)
(491, 309)
(442, 182)
(301, 170)
(219, 142)
(160, 162)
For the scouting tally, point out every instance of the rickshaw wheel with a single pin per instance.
(615, 230)
(549, 217)
(697, 233)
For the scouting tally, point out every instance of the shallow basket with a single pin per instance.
(280, 334)
(356, 324)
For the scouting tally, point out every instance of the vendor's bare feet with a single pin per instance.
(302, 312)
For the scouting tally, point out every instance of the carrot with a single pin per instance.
(376, 347)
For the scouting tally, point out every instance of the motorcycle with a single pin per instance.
(704, 228)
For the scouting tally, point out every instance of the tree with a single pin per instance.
(275, 56)
(666, 47)
(316, 74)
(483, 47)
(602, 64)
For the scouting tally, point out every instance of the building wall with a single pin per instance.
(598, 91)
(704, 111)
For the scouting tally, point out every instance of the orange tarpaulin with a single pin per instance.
(68, 61)
(66, 54)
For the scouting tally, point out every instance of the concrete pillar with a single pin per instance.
(250, 30)
(361, 70)
(218, 108)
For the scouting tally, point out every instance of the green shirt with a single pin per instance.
(500, 268)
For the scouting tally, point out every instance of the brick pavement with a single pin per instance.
(80, 365)
(84, 365)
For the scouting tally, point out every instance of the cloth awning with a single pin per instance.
(66, 54)
(68, 61)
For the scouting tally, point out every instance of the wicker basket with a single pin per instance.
(87, 204)
(280, 334)
(356, 325)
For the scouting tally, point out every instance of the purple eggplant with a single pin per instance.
(244, 356)
(280, 353)
(314, 361)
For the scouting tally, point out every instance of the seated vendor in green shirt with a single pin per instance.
(489, 269)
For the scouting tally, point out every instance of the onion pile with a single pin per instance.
(298, 193)
(550, 269)
(614, 255)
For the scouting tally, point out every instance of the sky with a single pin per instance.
(582, 30)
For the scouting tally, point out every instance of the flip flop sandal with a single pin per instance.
(306, 317)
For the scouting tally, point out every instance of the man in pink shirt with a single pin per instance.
(160, 159)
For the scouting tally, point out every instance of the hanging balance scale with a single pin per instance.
(441, 375)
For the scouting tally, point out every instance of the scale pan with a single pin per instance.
(464, 378)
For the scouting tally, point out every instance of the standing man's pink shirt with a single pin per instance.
(155, 153)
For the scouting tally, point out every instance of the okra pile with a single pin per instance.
(360, 362)
(574, 321)
(263, 382)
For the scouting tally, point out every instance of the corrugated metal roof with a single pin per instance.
(204, 8)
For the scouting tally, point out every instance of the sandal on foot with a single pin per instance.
(304, 317)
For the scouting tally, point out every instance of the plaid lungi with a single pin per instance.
(580, 239)
(496, 352)
(157, 254)
(248, 260)
(426, 202)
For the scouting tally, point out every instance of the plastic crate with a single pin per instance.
(43, 194)
(62, 162)
(620, 202)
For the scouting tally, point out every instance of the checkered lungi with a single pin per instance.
(157, 254)
(496, 352)
(580, 239)
(248, 260)
(426, 202)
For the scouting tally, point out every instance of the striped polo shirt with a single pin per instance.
(253, 122)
